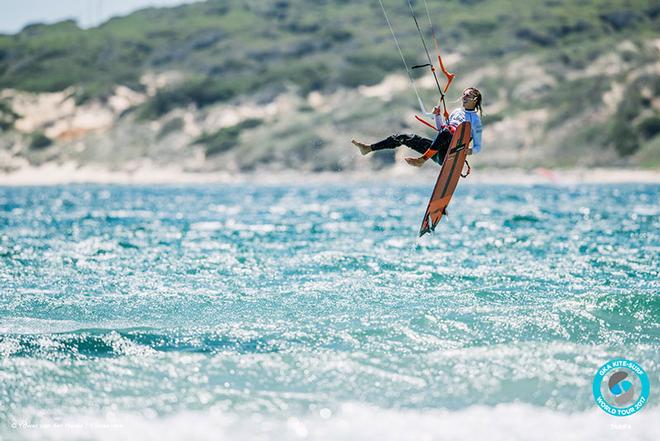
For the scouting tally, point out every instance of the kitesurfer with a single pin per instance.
(436, 149)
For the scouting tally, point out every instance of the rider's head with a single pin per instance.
(472, 99)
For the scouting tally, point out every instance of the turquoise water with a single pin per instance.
(314, 312)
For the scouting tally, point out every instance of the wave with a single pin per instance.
(350, 421)
(102, 343)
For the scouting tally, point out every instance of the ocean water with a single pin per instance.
(314, 311)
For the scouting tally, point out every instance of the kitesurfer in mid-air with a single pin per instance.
(436, 149)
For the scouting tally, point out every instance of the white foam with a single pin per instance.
(353, 421)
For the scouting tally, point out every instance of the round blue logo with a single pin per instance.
(621, 387)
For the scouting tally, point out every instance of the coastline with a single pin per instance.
(52, 174)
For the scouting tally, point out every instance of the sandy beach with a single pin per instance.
(53, 174)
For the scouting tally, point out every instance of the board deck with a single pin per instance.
(448, 178)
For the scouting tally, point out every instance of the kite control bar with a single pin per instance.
(424, 65)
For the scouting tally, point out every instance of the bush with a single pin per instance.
(620, 20)
(199, 91)
(220, 141)
(536, 37)
(226, 138)
(307, 76)
(358, 76)
(39, 141)
(173, 125)
(250, 123)
(624, 139)
(384, 59)
(650, 127)
(335, 35)
(7, 116)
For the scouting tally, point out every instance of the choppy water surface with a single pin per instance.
(314, 312)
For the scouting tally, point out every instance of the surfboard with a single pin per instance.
(448, 178)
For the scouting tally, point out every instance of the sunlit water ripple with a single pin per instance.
(318, 303)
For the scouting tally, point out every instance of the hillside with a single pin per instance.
(243, 85)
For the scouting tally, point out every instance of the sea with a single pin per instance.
(313, 311)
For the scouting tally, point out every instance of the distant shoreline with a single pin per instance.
(69, 174)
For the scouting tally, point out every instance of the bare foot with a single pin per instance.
(417, 162)
(364, 148)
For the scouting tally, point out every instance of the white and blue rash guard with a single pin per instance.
(461, 115)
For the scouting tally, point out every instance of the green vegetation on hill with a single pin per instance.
(39, 141)
(226, 49)
(232, 46)
(226, 138)
(7, 116)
